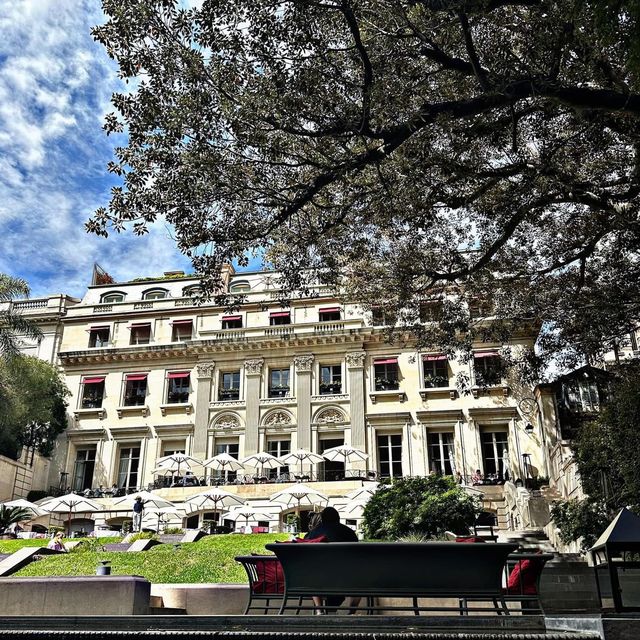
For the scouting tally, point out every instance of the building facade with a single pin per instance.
(152, 373)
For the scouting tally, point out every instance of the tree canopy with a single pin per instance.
(13, 326)
(406, 151)
(32, 406)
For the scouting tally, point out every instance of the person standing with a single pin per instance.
(138, 509)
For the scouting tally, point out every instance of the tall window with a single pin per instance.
(140, 333)
(181, 330)
(329, 314)
(99, 336)
(495, 454)
(488, 368)
(232, 449)
(583, 395)
(278, 383)
(128, 467)
(386, 374)
(229, 385)
(232, 322)
(135, 389)
(92, 392)
(331, 469)
(441, 453)
(330, 379)
(435, 371)
(278, 448)
(379, 317)
(178, 387)
(390, 455)
(279, 317)
(83, 468)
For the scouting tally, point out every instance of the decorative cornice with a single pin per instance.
(355, 359)
(303, 363)
(254, 366)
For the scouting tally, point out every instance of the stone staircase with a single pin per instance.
(529, 540)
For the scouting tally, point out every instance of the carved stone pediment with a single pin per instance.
(276, 418)
(330, 416)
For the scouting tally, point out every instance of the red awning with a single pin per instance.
(385, 361)
(280, 314)
(181, 322)
(330, 310)
(432, 358)
(136, 325)
(93, 380)
(231, 318)
(98, 327)
(178, 374)
(486, 354)
(133, 377)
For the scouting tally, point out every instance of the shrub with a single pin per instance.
(173, 530)
(142, 535)
(419, 506)
(582, 520)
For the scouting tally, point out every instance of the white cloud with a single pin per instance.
(55, 86)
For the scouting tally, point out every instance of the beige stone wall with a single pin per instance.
(8, 469)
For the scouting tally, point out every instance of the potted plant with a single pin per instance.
(384, 384)
(432, 382)
(279, 391)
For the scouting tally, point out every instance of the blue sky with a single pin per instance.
(55, 88)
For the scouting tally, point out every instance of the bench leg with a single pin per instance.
(505, 609)
(464, 606)
(416, 611)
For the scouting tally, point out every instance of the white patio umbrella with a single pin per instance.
(223, 462)
(355, 508)
(345, 453)
(363, 492)
(214, 499)
(246, 512)
(150, 501)
(299, 494)
(300, 456)
(176, 461)
(25, 504)
(71, 503)
(159, 512)
(262, 459)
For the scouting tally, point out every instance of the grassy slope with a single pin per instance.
(209, 560)
(9, 546)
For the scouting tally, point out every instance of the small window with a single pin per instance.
(240, 287)
(232, 322)
(229, 385)
(92, 392)
(191, 292)
(330, 379)
(182, 330)
(99, 337)
(279, 383)
(140, 333)
(386, 374)
(279, 317)
(178, 387)
(329, 314)
(135, 389)
(380, 317)
(488, 367)
(155, 294)
(114, 296)
(435, 371)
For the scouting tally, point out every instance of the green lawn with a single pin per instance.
(9, 546)
(209, 560)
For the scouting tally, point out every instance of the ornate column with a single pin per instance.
(303, 366)
(253, 373)
(355, 367)
(204, 373)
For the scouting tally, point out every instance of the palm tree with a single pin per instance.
(9, 515)
(13, 326)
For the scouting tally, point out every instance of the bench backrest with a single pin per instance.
(432, 568)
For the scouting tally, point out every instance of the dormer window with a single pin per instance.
(191, 292)
(240, 287)
(232, 322)
(155, 294)
(112, 296)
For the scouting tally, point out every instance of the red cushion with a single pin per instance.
(524, 577)
(270, 577)
(470, 539)
(311, 540)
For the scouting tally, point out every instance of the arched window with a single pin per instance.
(155, 294)
(242, 286)
(112, 296)
(192, 291)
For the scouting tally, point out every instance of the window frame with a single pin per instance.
(181, 323)
(152, 292)
(333, 384)
(104, 297)
(133, 330)
(279, 390)
(435, 371)
(327, 314)
(98, 385)
(129, 377)
(386, 373)
(233, 286)
(171, 377)
(93, 334)
(225, 320)
(224, 392)
(279, 318)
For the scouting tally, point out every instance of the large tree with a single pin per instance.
(13, 325)
(405, 150)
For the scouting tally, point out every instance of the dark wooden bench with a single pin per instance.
(395, 570)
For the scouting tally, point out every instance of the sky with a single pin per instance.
(55, 89)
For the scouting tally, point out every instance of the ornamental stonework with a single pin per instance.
(331, 416)
(355, 359)
(303, 363)
(227, 422)
(253, 367)
(277, 418)
(205, 369)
